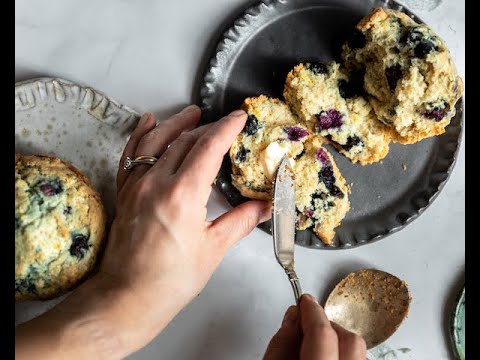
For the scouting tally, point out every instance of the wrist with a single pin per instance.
(67, 335)
(116, 319)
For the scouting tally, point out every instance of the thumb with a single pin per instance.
(234, 225)
(285, 343)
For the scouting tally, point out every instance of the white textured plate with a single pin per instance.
(77, 124)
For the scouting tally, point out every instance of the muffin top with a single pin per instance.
(59, 227)
(408, 73)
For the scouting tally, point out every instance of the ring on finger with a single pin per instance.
(130, 163)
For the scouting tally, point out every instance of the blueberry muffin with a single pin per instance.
(330, 102)
(59, 227)
(321, 193)
(272, 131)
(408, 73)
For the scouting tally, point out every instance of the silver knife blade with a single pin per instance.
(284, 215)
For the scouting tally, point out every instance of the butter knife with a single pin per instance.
(283, 222)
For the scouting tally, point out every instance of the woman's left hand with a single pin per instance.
(161, 249)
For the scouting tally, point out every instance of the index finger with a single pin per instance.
(320, 341)
(204, 160)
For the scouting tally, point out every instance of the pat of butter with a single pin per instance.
(271, 157)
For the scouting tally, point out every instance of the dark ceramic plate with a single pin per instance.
(253, 57)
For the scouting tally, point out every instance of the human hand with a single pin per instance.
(161, 250)
(307, 334)
(160, 243)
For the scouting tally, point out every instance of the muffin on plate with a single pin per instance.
(330, 102)
(321, 191)
(59, 227)
(408, 73)
(271, 132)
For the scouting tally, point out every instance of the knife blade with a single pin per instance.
(283, 222)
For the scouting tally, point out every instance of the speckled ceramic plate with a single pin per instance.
(77, 124)
(253, 57)
(457, 326)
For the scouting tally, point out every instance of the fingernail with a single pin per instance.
(189, 109)
(290, 316)
(237, 113)
(310, 298)
(145, 119)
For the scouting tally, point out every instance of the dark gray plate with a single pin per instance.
(253, 57)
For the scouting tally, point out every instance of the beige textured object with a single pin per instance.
(272, 130)
(370, 303)
(322, 96)
(59, 227)
(409, 74)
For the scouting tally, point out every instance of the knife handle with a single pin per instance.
(297, 290)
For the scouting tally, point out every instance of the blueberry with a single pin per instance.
(326, 174)
(295, 133)
(424, 48)
(357, 39)
(50, 187)
(328, 178)
(67, 210)
(393, 74)
(241, 155)
(437, 113)
(79, 245)
(335, 191)
(322, 156)
(252, 125)
(352, 141)
(328, 119)
(308, 213)
(411, 37)
(318, 68)
(415, 39)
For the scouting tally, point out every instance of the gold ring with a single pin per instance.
(147, 160)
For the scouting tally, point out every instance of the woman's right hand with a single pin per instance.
(307, 334)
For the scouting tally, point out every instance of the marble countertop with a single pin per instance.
(147, 55)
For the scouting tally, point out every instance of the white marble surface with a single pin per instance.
(146, 54)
